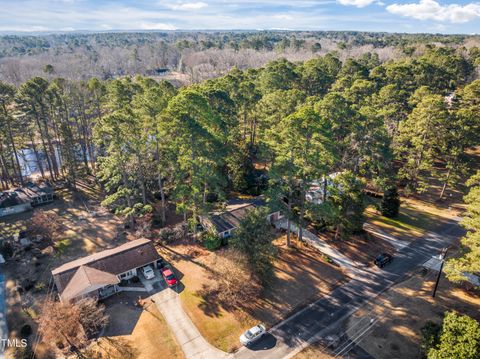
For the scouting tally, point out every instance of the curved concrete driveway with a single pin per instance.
(193, 344)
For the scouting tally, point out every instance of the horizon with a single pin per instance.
(140, 31)
(392, 16)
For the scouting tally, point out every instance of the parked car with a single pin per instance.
(169, 276)
(161, 263)
(253, 334)
(383, 259)
(148, 272)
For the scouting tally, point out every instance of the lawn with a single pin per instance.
(301, 276)
(135, 333)
(416, 217)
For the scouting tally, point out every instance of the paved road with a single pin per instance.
(327, 316)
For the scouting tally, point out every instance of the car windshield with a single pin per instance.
(249, 334)
(170, 277)
(148, 270)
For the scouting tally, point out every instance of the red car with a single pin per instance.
(169, 276)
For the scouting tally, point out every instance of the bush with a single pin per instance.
(211, 241)
(430, 335)
(169, 235)
(390, 205)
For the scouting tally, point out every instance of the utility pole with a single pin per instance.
(442, 257)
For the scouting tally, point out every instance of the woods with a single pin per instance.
(274, 130)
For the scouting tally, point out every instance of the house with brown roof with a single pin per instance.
(99, 274)
(224, 223)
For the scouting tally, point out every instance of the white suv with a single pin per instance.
(148, 272)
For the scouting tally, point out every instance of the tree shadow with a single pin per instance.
(210, 305)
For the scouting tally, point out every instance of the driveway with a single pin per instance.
(327, 316)
(193, 344)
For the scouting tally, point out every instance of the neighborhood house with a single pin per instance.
(224, 223)
(99, 274)
(25, 198)
(318, 191)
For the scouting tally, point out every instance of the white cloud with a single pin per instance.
(432, 10)
(188, 6)
(283, 17)
(357, 3)
(155, 26)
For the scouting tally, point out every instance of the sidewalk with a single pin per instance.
(193, 344)
(395, 242)
(313, 240)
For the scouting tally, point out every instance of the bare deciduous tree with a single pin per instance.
(233, 284)
(70, 326)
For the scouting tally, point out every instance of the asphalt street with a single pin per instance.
(327, 316)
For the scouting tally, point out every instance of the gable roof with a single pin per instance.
(115, 261)
(237, 210)
(86, 280)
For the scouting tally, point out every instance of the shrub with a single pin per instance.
(430, 335)
(169, 235)
(390, 205)
(211, 241)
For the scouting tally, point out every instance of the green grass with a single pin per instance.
(414, 220)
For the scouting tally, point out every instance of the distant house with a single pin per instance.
(318, 190)
(224, 223)
(99, 274)
(25, 198)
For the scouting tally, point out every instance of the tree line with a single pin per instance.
(271, 130)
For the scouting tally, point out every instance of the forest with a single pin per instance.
(184, 57)
(272, 130)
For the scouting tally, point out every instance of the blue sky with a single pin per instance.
(365, 15)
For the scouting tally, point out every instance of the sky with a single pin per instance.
(433, 16)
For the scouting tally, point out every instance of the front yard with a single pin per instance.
(134, 332)
(302, 275)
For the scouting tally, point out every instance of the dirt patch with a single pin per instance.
(300, 270)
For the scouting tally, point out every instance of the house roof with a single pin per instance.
(115, 261)
(86, 280)
(236, 212)
(24, 194)
(12, 198)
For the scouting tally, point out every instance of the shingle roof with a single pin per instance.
(86, 280)
(115, 261)
(237, 212)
